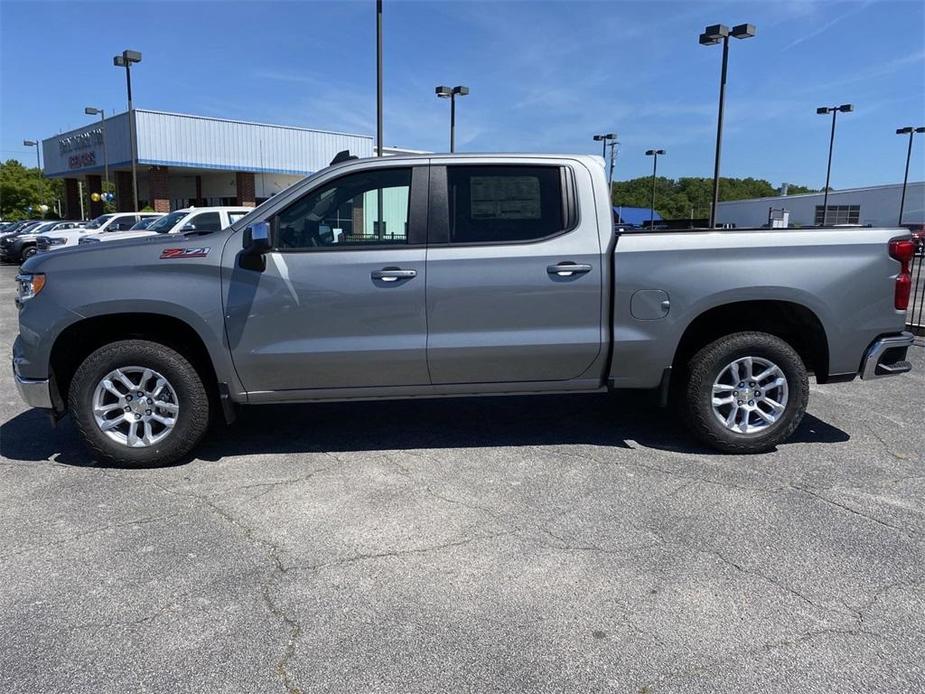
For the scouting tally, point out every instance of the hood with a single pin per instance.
(122, 235)
(129, 251)
(64, 233)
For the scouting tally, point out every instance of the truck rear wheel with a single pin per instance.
(746, 392)
(139, 404)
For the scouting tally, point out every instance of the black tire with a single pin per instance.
(28, 252)
(192, 419)
(707, 365)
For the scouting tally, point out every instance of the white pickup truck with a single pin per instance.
(190, 219)
(115, 222)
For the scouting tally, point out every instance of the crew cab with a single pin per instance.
(449, 275)
(198, 219)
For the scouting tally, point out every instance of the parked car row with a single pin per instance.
(21, 240)
(190, 219)
(21, 244)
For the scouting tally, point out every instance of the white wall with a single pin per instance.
(268, 185)
(879, 206)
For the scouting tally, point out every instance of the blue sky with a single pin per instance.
(544, 76)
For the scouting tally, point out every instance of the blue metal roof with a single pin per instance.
(634, 215)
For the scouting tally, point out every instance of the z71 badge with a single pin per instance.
(177, 253)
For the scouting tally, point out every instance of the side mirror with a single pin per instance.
(257, 244)
(257, 239)
(189, 226)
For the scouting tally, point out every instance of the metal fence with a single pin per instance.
(915, 314)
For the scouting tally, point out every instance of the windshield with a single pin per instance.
(143, 224)
(99, 221)
(166, 223)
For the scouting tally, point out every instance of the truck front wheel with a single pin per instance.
(139, 404)
(746, 392)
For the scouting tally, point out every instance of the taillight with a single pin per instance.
(903, 250)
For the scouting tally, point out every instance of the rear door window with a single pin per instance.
(504, 204)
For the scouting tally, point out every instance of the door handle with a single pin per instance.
(567, 269)
(393, 274)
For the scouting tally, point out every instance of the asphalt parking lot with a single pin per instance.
(545, 544)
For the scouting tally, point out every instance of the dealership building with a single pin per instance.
(185, 160)
(874, 206)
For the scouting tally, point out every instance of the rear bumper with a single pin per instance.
(886, 356)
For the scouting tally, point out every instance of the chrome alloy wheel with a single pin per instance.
(135, 406)
(749, 395)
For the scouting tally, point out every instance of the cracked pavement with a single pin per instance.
(545, 544)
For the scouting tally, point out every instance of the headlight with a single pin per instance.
(56, 241)
(28, 285)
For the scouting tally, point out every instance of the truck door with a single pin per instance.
(340, 303)
(513, 274)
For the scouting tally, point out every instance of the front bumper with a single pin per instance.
(35, 392)
(886, 356)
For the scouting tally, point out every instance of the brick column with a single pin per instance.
(95, 185)
(124, 201)
(159, 191)
(71, 199)
(245, 188)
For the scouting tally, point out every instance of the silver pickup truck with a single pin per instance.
(446, 276)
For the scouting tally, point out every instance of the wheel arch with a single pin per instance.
(793, 322)
(79, 339)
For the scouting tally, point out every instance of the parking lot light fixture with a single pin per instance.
(125, 60)
(608, 140)
(603, 139)
(712, 35)
(910, 131)
(822, 111)
(92, 111)
(34, 143)
(444, 92)
(654, 153)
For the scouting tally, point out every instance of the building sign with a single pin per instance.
(73, 148)
(84, 140)
(80, 161)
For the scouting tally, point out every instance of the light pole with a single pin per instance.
(379, 81)
(91, 111)
(712, 35)
(34, 143)
(451, 93)
(654, 153)
(903, 131)
(834, 110)
(125, 60)
(608, 139)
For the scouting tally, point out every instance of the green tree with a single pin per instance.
(22, 188)
(690, 197)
